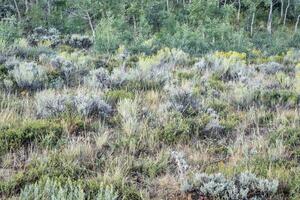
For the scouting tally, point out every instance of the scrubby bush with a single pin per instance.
(184, 100)
(51, 189)
(243, 186)
(42, 36)
(9, 30)
(271, 68)
(79, 41)
(175, 129)
(99, 78)
(213, 128)
(71, 73)
(32, 53)
(88, 105)
(140, 78)
(114, 96)
(29, 76)
(51, 103)
(42, 132)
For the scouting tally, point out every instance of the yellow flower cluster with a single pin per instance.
(233, 55)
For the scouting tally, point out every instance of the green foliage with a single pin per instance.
(67, 190)
(51, 189)
(108, 36)
(45, 133)
(114, 96)
(54, 166)
(9, 31)
(270, 98)
(175, 129)
(291, 138)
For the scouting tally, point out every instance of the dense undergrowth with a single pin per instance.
(75, 124)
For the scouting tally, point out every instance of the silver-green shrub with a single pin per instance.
(29, 76)
(98, 78)
(183, 100)
(54, 190)
(90, 104)
(243, 186)
(51, 103)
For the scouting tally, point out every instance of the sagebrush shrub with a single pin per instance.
(51, 103)
(51, 189)
(29, 76)
(271, 68)
(79, 41)
(99, 78)
(243, 186)
(183, 100)
(89, 104)
(41, 35)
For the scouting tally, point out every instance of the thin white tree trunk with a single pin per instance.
(167, 5)
(239, 11)
(17, 9)
(297, 23)
(26, 6)
(49, 7)
(269, 24)
(91, 24)
(252, 24)
(281, 9)
(286, 11)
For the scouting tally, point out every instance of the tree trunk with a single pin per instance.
(239, 11)
(252, 24)
(269, 25)
(281, 9)
(26, 6)
(49, 7)
(91, 24)
(167, 5)
(297, 23)
(17, 9)
(134, 26)
(286, 11)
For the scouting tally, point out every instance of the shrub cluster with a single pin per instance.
(51, 103)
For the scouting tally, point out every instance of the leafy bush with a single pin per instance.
(107, 37)
(41, 132)
(9, 30)
(175, 129)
